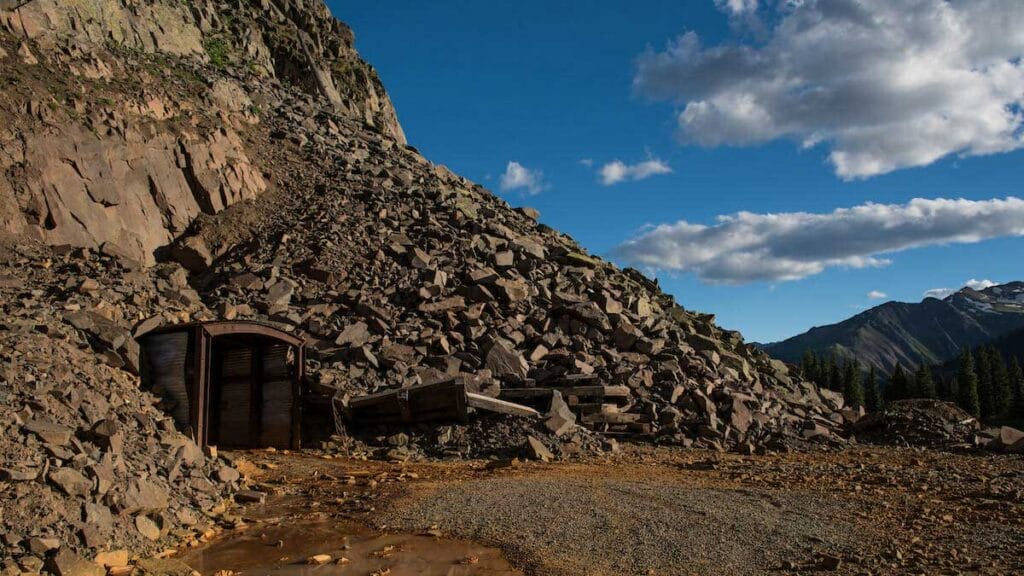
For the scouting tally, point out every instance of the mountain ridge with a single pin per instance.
(928, 332)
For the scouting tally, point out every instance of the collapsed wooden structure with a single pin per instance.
(447, 400)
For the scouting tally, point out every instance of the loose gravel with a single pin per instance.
(605, 526)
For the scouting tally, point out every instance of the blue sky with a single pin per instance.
(549, 84)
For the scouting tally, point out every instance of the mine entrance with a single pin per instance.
(228, 384)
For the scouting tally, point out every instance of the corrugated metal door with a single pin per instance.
(166, 373)
(276, 409)
(235, 404)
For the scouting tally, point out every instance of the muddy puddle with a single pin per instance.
(285, 549)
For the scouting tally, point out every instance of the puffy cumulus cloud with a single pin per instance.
(747, 247)
(518, 177)
(877, 295)
(980, 284)
(884, 85)
(616, 171)
(973, 283)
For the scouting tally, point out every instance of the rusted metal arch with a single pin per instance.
(227, 327)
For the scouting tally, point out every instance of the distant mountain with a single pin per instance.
(932, 331)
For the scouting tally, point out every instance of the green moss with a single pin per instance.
(217, 49)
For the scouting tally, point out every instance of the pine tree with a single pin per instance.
(853, 391)
(967, 382)
(835, 377)
(1017, 380)
(942, 389)
(872, 395)
(952, 390)
(986, 395)
(924, 384)
(898, 384)
(911, 388)
(809, 367)
(1002, 389)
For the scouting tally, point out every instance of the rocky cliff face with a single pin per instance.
(125, 120)
(165, 162)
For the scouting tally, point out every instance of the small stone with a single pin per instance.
(535, 450)
(143, 496)
(504, 259)
(250, 497)
(227, 474)
(42, 546)
(503, 360)
(71, 482)
(112, 558)
(354, 335)
(147, 527)
(88, 286)
(319, 559)
(50, 432)
(107, 434)
(18, 474)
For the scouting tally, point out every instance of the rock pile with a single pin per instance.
(88, 462)
(929, 423)
(400, 272)
(1002, 439)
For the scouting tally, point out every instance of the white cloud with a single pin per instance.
(884, 85)
(616, 171)
(588, 162)
(973, 284)
(877, 295)
(517, 176)
(980, 284)
(737, 7)
(747, 247)
(939, 293)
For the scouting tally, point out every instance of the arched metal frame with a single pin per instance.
(202, 337)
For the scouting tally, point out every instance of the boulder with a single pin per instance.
(503, 360)
(66, 563)
(71, 482)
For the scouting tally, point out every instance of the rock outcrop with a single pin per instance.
(129, 166)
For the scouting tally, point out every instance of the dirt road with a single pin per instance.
(660, 511)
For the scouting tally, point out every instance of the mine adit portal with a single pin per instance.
(228, 384)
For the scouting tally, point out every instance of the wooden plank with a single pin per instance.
(595, 391)
(597, 408)
(580, 391)
(481, 402)
(526, 393)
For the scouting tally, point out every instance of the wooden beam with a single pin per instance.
(481, 402)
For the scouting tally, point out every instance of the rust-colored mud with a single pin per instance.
(284, 549)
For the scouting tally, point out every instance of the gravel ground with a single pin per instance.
(604, 526)
(662, 511)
